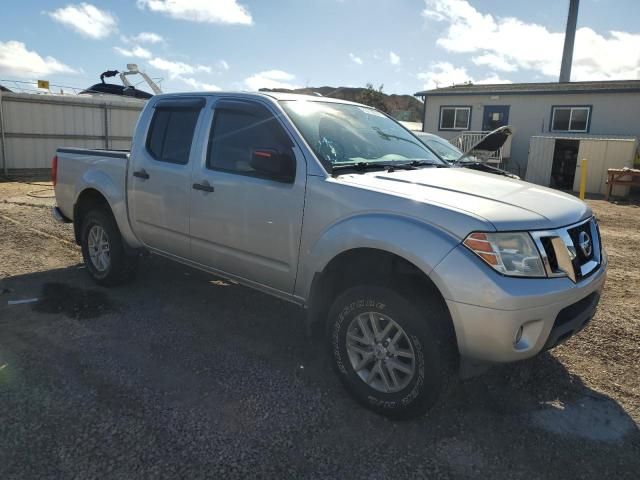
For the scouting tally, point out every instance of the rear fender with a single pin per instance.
(115, 196)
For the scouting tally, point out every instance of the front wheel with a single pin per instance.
(389, 353)
(103, 251)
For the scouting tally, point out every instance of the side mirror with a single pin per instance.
(277, 165)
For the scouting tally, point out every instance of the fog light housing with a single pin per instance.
(519, 335)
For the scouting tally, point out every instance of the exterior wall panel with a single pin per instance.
(602, 154)
(540, 160)
(36, 125)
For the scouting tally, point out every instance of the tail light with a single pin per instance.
(54, 170)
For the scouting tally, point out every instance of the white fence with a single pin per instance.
(466, 140)
(33, 126)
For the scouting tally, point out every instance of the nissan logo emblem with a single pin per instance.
(584, 242)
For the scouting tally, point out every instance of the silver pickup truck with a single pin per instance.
(413, 268)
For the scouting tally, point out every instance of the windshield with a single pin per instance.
(444, 149)
(342, 134)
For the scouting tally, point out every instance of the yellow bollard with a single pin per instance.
(583, 177)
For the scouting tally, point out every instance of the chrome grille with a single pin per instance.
(563, 250)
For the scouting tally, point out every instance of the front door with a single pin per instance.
(160, 176)
(243, 222)
(495, 116)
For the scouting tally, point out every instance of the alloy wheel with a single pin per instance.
(98, 246)
(380, 352)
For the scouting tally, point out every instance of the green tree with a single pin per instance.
(372, 97)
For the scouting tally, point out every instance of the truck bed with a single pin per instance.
(103, 170)
(94, 151)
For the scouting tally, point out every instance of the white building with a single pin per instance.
(568, 111)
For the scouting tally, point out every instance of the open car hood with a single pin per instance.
(491, 142)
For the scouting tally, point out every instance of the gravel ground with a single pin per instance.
(181, 374)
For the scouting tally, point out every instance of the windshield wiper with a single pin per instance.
(426, 163)
(362, 166)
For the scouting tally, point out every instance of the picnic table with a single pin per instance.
(629, 177)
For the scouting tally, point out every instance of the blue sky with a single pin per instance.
(407, 45)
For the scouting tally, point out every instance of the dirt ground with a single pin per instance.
(181, 374)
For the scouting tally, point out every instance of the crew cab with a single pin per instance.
(412, 268)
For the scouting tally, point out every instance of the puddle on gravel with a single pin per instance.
(73, 302)
(591, 418)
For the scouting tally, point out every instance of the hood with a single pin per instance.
(506, 203)
(492, 142)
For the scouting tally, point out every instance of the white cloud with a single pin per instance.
(394, 59)
(495, 61)
(137, 52)
(355, 59)
(86, 19)
(17, 61)
(493, 78)
(270, 79)
(444, 74)
(198, 85)
(177, 69)
(185, 73)
(223, 65)
(206, 11)
(148, 37)
(509, 44)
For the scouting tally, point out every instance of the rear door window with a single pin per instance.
(171, 133)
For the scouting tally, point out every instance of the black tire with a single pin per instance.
(121, 266)
(435, 352)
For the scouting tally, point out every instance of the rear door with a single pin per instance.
(160, 176)
(245, 223)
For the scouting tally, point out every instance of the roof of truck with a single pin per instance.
(273, 95)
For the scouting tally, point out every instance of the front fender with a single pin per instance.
(416, 241)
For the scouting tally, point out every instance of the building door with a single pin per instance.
(495, 116)
(540, 160)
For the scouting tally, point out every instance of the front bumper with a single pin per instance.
(489, 310)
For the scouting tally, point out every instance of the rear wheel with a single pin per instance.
(103, 251)
(389, 352)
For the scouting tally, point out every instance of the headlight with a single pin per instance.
(510, 253)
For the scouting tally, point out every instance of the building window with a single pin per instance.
(570, 119)
(455, 118)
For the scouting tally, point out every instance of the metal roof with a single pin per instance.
(586, 136)
(610, 86)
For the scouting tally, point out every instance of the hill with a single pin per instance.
(401, 107)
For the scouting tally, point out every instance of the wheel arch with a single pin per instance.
(374, 266)
(88, 199)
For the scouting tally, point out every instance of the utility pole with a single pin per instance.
(569, 39)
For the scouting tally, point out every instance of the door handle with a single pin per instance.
(204, 187)
(141, 174)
